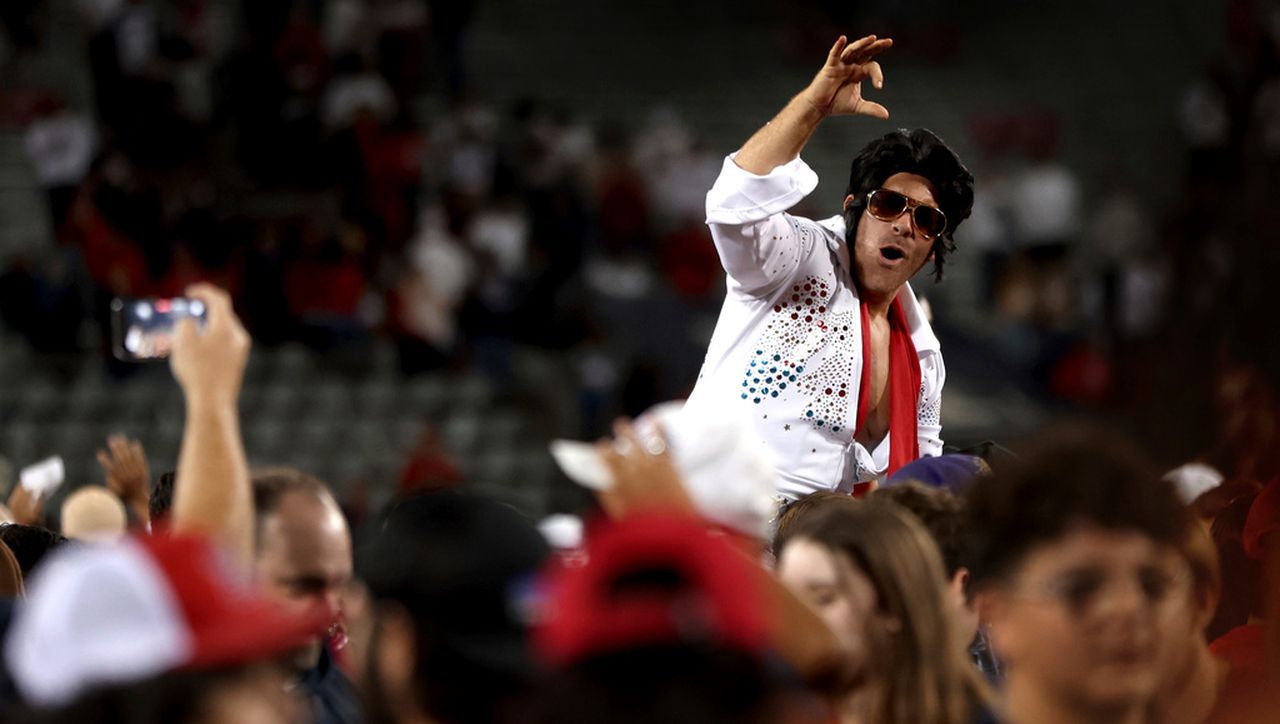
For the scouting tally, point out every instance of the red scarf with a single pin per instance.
(904, 387)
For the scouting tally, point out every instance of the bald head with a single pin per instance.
(94, 515)
(303, 545)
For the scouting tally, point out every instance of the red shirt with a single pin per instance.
(1243, 647)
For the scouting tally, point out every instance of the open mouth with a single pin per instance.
(892, 253)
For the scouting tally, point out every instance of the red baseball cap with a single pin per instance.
(117, 614)
(653, 580)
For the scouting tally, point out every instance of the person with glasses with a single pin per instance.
(821, 342)
(1078, 572)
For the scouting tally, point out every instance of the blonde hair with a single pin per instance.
(924, 675)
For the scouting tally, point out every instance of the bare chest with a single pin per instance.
(876, 424)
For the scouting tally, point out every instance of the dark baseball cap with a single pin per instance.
(464, 568)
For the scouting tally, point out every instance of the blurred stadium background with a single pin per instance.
(459, 228)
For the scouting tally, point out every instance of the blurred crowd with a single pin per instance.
(1072, 583)
(326, 175)
(332, 167)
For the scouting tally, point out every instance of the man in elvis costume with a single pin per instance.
(821, 342)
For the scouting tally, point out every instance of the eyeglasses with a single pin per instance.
(887, 205)
(1081, 590)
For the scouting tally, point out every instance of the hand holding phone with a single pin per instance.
(209, 363)
(143, 329)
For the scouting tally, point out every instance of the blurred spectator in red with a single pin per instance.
(430, 466)
(325, 285)
(689, 260)
(664, 623)
(1243, 646)
(621, 196)
(1199, 687)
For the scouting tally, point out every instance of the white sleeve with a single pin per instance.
(760, 246)
(929, 418)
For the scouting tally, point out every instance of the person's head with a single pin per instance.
(942, 514)
(150, 618)
(160, 501)
(875, 576)
(1074, 560)
(451, 578)
(889, 244)
(29, 544)
(797, 510)
(93, 514)
(664, 622)
(303, 548)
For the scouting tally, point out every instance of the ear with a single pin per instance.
(1206, 603)
(992, 609)
(957, 585)
(848, 200)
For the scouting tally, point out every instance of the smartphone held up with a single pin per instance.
(143, 329)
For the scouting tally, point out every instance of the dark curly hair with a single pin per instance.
(924, 154)
(1070, 476)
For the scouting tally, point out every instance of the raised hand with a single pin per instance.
(212, 495)
(837, 88)
(27, 507)
(128, 474)
(209, 364)
(644, 476)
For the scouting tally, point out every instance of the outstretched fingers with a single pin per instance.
(833, 57)
(865, 49)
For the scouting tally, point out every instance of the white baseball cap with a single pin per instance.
(726, 470)
(125, 612)
(1193, 480)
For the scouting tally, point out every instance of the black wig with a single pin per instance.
(922, 153)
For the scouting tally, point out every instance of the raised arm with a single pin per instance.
(760, 247)
(212, 496)
(128, 475)
(836, 90)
